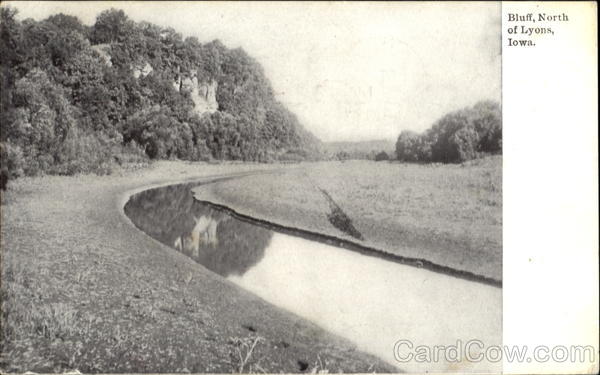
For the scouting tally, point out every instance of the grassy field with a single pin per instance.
(84, 289)
(450, 215)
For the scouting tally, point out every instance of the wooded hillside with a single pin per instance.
(79, 98)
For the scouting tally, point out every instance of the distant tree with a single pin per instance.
(65, 45)
(412, 147)
(112, 26)
(463, 144)
(35, 37)
(9, 36)
(448, 147)
(10, 58)
(211, 58)
(487, 120)
(456, 137)
(82, 72)
(467, 133)
(342, 155)
(382, 156)
(68, 23)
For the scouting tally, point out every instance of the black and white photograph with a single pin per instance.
(254, 187)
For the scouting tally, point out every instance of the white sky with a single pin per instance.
(350, 71)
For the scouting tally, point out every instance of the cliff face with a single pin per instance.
(203, 94)
(104, 51)
(142, 70)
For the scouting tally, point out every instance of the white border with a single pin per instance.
(550, 190)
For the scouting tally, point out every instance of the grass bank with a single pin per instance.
(450, 215)
(84, 289)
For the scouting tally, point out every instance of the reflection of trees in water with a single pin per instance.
(221, 243)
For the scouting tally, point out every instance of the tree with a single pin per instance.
(412, 147)
(43, 118)
(9, 35)
(463, 144)
(457, 136)
(11, 160)
(68, 23)
(382, 156)
(10, 31)
(487, 120)
(64, 45)
(82, 72)
(112, 26)
(35, 37)
(467, 133)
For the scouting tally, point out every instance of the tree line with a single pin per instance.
(458, 136)
(71, 103)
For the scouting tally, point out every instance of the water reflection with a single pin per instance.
(212, 238)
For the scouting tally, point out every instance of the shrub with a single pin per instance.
(11, 160)
(85, 153)
(292, 156)
(342, 155)
(132, 152)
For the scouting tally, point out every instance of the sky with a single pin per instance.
(349, 71)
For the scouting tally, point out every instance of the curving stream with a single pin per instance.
(371, 301)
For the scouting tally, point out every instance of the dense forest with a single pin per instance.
(458, 136)
(78, 98)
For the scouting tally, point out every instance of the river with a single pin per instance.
(391, 310)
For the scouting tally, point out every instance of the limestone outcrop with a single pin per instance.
(203, 94)
(103, 51)
(142, 70)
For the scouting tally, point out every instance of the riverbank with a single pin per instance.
(449, 216)
(84, 289)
